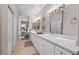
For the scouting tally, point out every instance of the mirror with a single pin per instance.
(56, 23)
(36, 25)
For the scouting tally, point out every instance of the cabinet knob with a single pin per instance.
(61, 53)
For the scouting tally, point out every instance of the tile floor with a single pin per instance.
(23, 49)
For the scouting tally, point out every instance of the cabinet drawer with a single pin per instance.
(60, 51)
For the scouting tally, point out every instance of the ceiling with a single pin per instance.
(30, 9)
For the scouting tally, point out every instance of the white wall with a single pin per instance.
(30, 23)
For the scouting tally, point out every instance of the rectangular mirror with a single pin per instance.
(56, 23)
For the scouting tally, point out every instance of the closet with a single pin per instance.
(12, 30)
(15, 33)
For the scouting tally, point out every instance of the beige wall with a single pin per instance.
(0, 30)
(4, 36)
(70, 12)
(4, 27)
(44, 13)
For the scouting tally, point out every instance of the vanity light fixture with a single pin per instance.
(57, 9)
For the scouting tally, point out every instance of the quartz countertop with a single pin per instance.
(65, 42)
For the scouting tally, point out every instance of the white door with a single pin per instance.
(9, 31)
(14, 31)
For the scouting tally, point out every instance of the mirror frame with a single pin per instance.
(61, 20)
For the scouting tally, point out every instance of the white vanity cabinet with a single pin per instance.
(43, 46)
(39, 45)
(33, 38)
(49, 49)
(37, 42)
(60, 51)
(46, 47)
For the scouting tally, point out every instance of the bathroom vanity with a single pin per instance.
(54, 44)
(64, 22)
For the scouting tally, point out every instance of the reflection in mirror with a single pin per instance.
(38, 25)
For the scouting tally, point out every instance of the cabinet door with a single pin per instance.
(32, 37)
(48, 48)
(36, 41)
(60, 51)
(43, 47)
(39, 46)
(14, 31)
